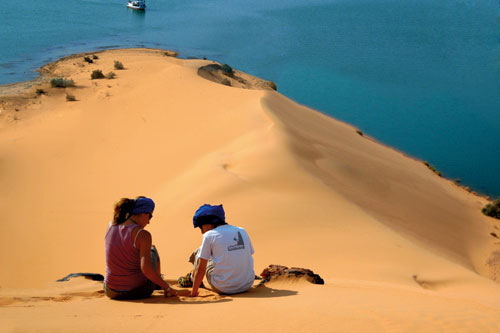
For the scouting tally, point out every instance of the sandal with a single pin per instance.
(185, 281)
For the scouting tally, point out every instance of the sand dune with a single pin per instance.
(399, 247)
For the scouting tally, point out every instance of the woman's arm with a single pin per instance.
(144, 242)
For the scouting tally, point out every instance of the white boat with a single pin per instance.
(136, 4)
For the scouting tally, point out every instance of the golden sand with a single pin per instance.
(399, 248)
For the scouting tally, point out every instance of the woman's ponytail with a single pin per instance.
(123, 209)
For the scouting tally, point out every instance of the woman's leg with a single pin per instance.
(143, 291)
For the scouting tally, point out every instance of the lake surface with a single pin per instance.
(421, 76)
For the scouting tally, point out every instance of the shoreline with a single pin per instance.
(24, 94)
(397, 247)
(24, 91)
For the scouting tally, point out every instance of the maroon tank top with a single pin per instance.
(123, 264)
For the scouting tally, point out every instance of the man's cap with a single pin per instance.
(201, 215)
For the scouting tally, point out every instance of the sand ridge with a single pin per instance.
(399, 247)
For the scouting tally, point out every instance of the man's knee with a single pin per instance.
(194, 256)
(155, 257)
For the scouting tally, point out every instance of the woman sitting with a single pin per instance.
(132, 262)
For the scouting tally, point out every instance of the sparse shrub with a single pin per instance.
(170, 54)
(272, 85)
(492, 209)
(118, 65)
(40, 92)
(433, 169)
(87, 59)
(227, 70)
(226, 82)
(97, 74)
(110, 75)
(61, 83)
(95, 57)
(70, 98)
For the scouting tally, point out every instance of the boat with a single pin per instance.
(136, 4)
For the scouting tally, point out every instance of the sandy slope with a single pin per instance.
(399, 248)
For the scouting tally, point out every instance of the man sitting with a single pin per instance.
(225, 255)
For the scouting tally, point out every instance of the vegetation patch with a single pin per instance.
(492, 209)
(227, 70)
(95, 57)
(118, 65)
(97, 74)
(110, 75)
(224, 74)
(433, 169)
(359, 132)
(61, 83)
(272, 85)
(40, 92)
(170, 54)
(70, 98)
(89, 60)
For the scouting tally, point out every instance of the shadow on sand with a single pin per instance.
(208, 296)
(264, 291)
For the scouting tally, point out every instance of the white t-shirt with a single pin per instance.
(231, 250)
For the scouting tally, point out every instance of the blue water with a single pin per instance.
(420, 75)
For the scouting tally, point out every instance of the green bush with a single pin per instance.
(492, 209)
(226, 69)
(118, 65)
(433, 169)
(110, 75)
(87, 59)
(95, 57)
(61, 83)
(70, 98)
(97, 74)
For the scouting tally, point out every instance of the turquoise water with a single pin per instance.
(422, 76)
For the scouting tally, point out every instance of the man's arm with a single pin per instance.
(199, 273)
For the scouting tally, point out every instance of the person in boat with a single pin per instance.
(132, 262)
(224, 257)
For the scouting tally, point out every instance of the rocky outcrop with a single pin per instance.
(278, 271)
(224, 74)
